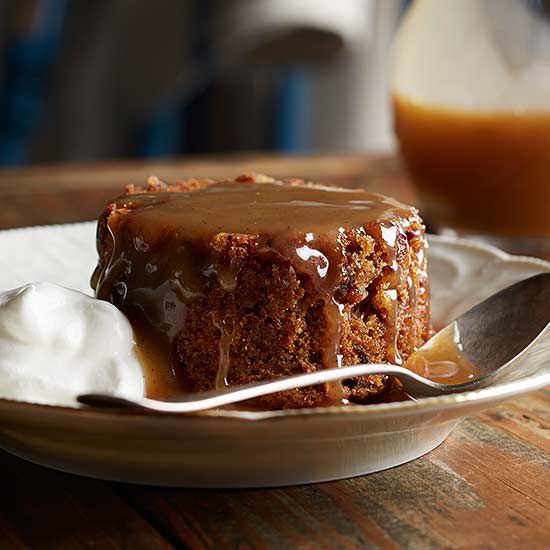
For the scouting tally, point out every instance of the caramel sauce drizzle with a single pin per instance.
(224, 361)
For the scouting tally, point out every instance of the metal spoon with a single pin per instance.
(492, 335)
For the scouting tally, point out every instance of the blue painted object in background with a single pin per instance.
(29, 55)
(292, 112)
(182, 121)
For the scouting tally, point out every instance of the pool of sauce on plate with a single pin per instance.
(164, 240)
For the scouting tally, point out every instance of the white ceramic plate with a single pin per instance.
(252, 449)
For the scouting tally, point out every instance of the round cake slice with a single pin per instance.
(232, 282)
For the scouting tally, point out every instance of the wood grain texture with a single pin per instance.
(42, 508)
(61, 194)
(487, 486)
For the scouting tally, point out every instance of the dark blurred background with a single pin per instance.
(88, 80)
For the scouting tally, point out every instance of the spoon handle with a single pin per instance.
(193, 402)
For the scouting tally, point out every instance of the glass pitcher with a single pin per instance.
(470, 87)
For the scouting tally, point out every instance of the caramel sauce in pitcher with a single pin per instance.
(478, 172)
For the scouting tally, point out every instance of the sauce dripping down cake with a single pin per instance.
(232, 282)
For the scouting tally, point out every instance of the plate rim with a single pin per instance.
(480, 396)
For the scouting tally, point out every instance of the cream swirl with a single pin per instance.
(56, 343)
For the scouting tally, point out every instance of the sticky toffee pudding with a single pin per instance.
(232, 282)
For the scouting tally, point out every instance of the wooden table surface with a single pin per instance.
(487, 486)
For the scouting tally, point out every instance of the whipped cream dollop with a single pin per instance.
(56, 343)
